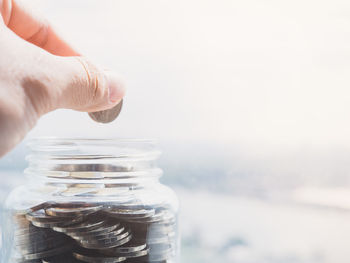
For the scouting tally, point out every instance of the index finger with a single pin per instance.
(35, 29)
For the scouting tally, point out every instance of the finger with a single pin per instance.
(84, 86)
(52, 82)
(36, 30)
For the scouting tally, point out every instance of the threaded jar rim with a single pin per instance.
(111, 157)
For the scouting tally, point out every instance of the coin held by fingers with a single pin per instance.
(107, 116)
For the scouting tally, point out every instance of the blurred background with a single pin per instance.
(250, 102)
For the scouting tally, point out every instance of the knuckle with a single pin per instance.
(41, 36)
(98, 86)
(95, 81)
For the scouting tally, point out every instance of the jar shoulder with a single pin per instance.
(30, 195)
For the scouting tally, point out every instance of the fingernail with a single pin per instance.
(115, 86)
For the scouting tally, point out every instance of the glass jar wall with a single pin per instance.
(91, 200)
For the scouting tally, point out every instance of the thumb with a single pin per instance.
(50, 82)
(80, 85)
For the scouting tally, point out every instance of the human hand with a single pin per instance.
(40, 72)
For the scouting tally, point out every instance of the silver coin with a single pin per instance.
(40, 219)
(46, 225)
(107, 244)
(71, 221)
(88, 168)
(104, 240)
(130, 247)
(111, 234)
(71, 212)
(87, 175)
(74, 205)
(94, 169)
(41, 216)
(131, 186)
(57, 174)
(85, 226)
(104, 237)
(106, 228)
(129, 213)
(87, 185)
(127, 206)
(106, 116)
(24, 211)
(87, 236)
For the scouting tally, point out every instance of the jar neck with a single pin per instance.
(93, 161)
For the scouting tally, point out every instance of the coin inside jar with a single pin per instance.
(71, 212)
(96, 232)
(107, 116)
(94, 206)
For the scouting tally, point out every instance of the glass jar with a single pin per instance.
(91, 200)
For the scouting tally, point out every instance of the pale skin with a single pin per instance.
(40, 72)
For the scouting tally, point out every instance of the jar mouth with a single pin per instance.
(48, 142)
(69, 158)
(112, 147)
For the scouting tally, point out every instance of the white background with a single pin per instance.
(247, 98)
(248, 72)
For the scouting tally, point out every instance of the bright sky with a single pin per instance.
(274, 73)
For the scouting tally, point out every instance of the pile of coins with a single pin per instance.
(95, 232)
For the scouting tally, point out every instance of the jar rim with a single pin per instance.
(52, 139)
(109, 157)
(117, 147)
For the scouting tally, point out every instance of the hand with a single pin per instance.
(40, 72)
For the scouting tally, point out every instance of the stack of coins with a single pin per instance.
(103, 232)
(97, 213)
